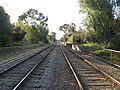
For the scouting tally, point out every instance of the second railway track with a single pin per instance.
(110, 68)
(90, 77)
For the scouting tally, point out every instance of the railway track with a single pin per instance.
(110, 68)
(28, 75)
(88, 53)
(36, 80)
(12, 78)
(89, 76)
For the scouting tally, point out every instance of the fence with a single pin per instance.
(114, 55)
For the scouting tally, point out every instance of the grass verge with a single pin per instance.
(11, 52)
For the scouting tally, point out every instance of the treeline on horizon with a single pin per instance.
(31, 27)
(102, 24)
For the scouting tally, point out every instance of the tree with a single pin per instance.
(69, 30)
(26, 28)
(33, 17)
(52, 37)
(116, 42)
(5, 29)
(100, 18)
(43, 32)
(18, 34)
(64, 28)
(35, 24)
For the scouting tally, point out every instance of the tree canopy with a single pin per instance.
(33, 17)
(18, 34)
(35, 25)
(52, 37)
(69, 30)
(5, 28)
(101, 19)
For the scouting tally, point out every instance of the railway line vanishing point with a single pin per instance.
(57, 68)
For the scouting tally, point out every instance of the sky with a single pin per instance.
(59, 12)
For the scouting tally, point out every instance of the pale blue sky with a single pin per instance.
(59, 12)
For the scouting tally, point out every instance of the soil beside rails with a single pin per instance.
(11, 52)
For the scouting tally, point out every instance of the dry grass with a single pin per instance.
(11, 52)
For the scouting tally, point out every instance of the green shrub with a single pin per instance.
(115, 42)
(94, 45)
(101, 53)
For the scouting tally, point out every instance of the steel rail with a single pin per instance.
(97, 68)
(72, 69)
(25, 59)
(25, 77)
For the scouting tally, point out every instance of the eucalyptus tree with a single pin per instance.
(43, 32)
(33, 17)
(52, 37)
(64, 28)
(100, 18)
(36, 25)
(69, 30)
(18, 34)
(53, 34)
(5, 28)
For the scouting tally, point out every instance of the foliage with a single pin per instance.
(52, 37)
(72, 35)
(89, 45)
(42, 33)
(63, 39)
(69, 30)
(115, 43)
(100, 19)
(17, 34)
(80, 37)
(34, 23)
(96, 46)
(25, 28)
(5, 28)
(102, 53)
(33, 17)
(64, 28)
(97, 49)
